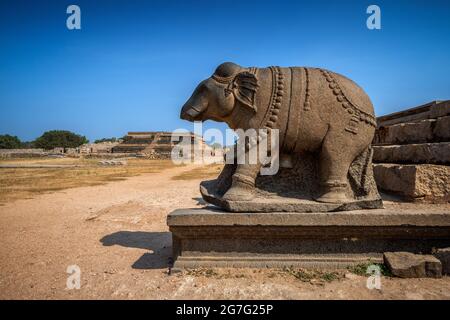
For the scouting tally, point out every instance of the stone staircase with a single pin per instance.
(154, 144)
(135, 142)
(412, 152)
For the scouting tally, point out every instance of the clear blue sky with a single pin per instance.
(134, 63)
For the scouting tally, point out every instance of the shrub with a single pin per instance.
(9, 142)
(60, 139)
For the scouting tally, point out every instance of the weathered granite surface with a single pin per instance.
(437, 153)
(428, 130)
(412, 153)
(431, 110)
(409, 265)
(294, 189)
(211, 216)
(325, 124)
(443, 254)
(415, 182)
(210, 237)
(440, 109)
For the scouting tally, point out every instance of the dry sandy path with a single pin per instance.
(117, 234)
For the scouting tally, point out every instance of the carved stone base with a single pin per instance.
(213, 238)
(274, 203)
(295, 189)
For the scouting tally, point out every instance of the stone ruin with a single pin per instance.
(22, 153)
(412, 153)
(155, 144)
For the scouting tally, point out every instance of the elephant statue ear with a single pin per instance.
(245, 85)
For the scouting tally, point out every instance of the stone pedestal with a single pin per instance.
(212, 238)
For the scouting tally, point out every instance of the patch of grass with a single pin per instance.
(206, 272)
(204, 172)
(300, 274)
(330, 276)
(218, 274)
(361, 269)
(20, 183)
(314, 276)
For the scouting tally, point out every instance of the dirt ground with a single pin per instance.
(116, 234)
(27, 181)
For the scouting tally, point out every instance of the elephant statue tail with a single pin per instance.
(360, 174)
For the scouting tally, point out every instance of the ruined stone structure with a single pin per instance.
(14, 153)
(412, 152)
(157, 144)
(101, 147)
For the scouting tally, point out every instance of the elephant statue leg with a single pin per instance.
(334, 166)
(243, 183)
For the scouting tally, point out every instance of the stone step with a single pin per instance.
(432, 110)
(429, 130)
(138, 141)
(128, 148)
(435, 153)
(424, 182)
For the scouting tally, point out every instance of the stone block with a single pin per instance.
(431, 110)
(441, 130)
(436, 153)
(409, 115)
(440, 109)
(429, 130)
(444, 256)
(414, 182)
(404, 133)
(409, 265)
(212, 238)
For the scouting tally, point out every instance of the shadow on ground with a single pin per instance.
(158, 243)
(386, 196)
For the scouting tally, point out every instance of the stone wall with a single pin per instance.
(412, 152)
(102, 147)
(158, 144)
(11, 153)
(85, 149)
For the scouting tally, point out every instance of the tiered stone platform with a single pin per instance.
(155, 144)
(412, 152)
(209, 237)
(135, 142)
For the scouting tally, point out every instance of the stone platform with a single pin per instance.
(212, 238)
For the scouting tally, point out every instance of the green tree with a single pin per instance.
(113, 139)
(27, 145)
(59, 139)
(9, 142)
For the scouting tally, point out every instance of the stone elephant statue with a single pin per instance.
(315, 110)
